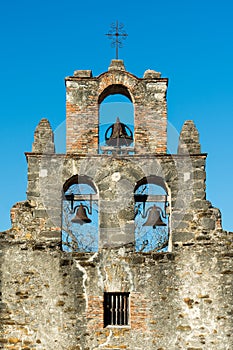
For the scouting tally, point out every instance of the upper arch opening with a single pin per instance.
(116, 120)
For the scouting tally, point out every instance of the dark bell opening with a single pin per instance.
(120, 135)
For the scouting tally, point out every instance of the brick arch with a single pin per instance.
(114, 89)
(121, 83)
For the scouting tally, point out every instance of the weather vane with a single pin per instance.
(117, 34)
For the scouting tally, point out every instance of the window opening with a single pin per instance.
(151, 217)
(116, 309)
(80, 217)
(116, 124)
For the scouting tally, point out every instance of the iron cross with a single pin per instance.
(119, 34)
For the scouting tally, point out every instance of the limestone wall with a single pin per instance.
(178, 300)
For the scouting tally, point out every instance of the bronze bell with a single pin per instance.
(81, 216)
(154, 218)
(119, 135)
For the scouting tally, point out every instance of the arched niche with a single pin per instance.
(115, 105)
(151, 215)
(80, 215)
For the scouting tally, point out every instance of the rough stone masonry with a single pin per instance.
(180, 297)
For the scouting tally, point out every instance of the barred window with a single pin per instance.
(116, 309)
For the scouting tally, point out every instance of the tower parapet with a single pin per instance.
(43, 138)
(189, 139)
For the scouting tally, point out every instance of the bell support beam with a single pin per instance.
(81, 197)
(150, 198)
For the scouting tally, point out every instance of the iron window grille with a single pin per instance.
(116, 309)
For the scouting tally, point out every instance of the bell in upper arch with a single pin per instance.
(81, 216)
(121, 135)
(154, 217)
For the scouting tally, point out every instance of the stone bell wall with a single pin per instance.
(180, 299)
(84, 93)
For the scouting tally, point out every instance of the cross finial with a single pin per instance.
(119, 34)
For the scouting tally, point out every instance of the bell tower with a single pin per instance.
(116, 245)
(84, 93)
(117, 167)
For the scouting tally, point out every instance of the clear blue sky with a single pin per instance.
(190, 42)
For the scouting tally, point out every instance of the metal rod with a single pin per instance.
(117, 32)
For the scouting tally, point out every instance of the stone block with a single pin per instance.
(117, 65)
(182, 236)
(40, 213)
(200, 204)
(151, 74)
(51, 234)
(83, 73)
(208, 223)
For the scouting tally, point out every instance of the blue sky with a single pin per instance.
(190, 42)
